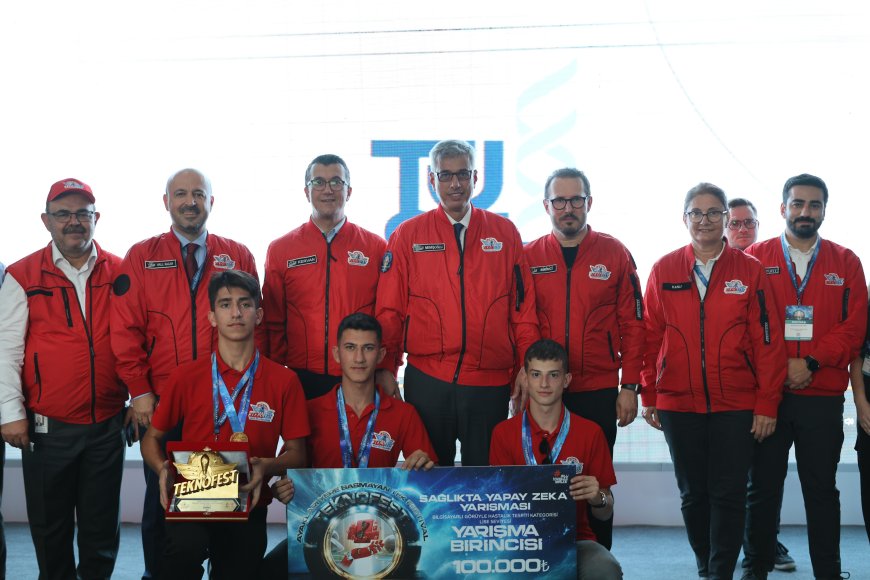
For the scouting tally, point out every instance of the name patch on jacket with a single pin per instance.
(549, 269)
(599, 272)
(428, 247)
(735, 287)
(771, 270)
(261, 412)
(357, 258)
(382, 441)
(676, 286)
(306, 261)
(833, 280)
(160, 264)
(490, 245)
(224, 262)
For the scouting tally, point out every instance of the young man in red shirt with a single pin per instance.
(270, 407)
(374, 426)
(546, 432)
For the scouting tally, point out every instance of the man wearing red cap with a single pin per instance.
(160, 315)
(61, 401)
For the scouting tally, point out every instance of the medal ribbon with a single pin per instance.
(220, 394)
(788, 263)
(365, 448)
(529, 454)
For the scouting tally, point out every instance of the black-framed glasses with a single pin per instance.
(544, 448)
(577, 202)
(446, 176)
(63, 216)
(714, 216)
(748, 223)
(335, 184)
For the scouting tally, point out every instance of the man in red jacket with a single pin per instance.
(160, 314)
(317, 274)
(61, 401)
(819, 286)
(456, 295)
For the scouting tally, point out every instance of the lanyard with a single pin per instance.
(557, 446)
(788, 263)
(221, 394)
(701, 276)
(365, 448)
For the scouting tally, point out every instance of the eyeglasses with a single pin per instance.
(562, 202)
(63, 216)
(544, 448)
(335, 184)
(445, 176)
(748, 223)
(714, 216)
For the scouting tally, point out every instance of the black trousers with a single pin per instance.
(450, 412)
(153, 526)
(862, 446)
(712, 454)
(235, 549)
(73, 477)
(316, 385)
(599, 407)
(815, 426)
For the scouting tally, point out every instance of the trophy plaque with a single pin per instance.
(207, 481)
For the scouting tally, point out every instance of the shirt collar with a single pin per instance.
(808, 252)
(57, 258)
(466, 219)
(712, 260)
(537, 432)
(334, 231)
(200, 241)
(224, 368)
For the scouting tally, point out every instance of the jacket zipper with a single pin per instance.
(570, 267)
(89, 305)
(462, 305)
(326, 309)
(38, 378)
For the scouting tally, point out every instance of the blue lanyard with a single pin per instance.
(788, 263)
(365, 447)
(221, 394)
(701, 276)
(557, 446)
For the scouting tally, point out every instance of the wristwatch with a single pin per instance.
(812, 364)
(603, 503)
(632, 387)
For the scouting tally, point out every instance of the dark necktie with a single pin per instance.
(190, 261)
(457, 230)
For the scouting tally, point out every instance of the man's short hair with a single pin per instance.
(448, 149)
(326, 159)
(205, 180)
(741, 202)
(703, 188)
(567, 173)
(360, 321)
(233, 279)
(546, 349)
(804, 179)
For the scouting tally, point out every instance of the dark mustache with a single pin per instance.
(74, 230)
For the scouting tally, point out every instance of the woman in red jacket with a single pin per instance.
(714, 366)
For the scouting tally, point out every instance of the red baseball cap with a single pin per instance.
(70, 185)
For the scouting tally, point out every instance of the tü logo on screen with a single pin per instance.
(491, 171)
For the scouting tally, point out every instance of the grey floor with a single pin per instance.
(645, 552)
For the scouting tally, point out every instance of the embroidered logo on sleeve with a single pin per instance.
(305, 261)
(548, 269)
(261, 412)
(382, 441)
(735, 287)
(160, 264)
(224, 262)
(357, 258)
(833, 280)
(490, 245)
(386, 262)
(599, 272)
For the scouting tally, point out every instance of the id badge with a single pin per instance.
(40, 423)
(799, 322)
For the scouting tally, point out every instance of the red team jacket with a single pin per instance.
(837, 291)
(69, 369)
(468, 325)
(157, 322)
(723, 354)
(311, 286)
(593, 307)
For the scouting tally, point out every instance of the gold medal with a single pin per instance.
(239, 437)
